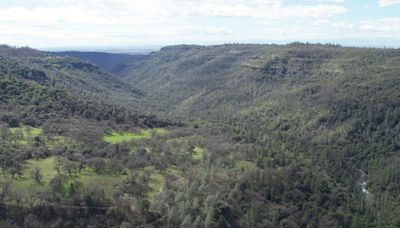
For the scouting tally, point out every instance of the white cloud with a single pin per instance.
(384, 3)
(330, 1)
(317, 11)
(383, 27)
(125, 22)
(269, 9)
(201, 30)
(51, 15)
(389, 25)
(123, 11)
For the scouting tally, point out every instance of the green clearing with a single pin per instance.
(160, 131)
(198, 153)
(25, 182)
(89, 178)
(24, 135)
(243, 165)
(157, 180)
(117, 137)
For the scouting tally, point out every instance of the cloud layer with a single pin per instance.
(384, 3)
(125, 22)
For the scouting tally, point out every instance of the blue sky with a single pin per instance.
(121, 23)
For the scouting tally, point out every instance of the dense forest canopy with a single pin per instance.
(237, 135)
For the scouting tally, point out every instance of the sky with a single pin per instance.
(134, 23)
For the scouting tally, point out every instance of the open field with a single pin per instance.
(47, 167)
(88, 178)
(26, 182)
(119, 137)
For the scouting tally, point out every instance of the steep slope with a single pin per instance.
(233, 77)
(37, 88)
(80, 78)
(338, 106)
(107, 61)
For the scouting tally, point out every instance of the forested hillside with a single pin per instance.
(338, 106)
(80, 78)
(56, 117)
(297, 135)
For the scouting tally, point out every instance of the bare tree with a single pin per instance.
(37, 175)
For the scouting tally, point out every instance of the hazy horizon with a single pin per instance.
(144, 49)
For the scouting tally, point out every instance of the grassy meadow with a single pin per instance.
(119, 137)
